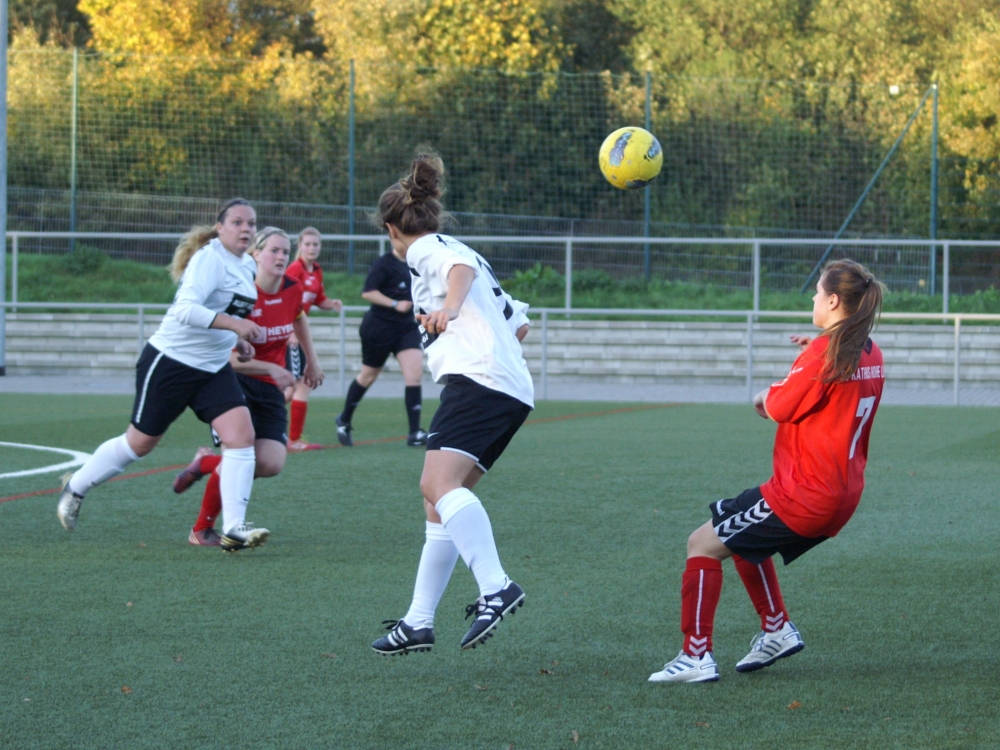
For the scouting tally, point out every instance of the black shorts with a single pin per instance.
(267, 409)
(747, 526)
(380, 338)
(164, 388)
(475, 420)
(295, 360)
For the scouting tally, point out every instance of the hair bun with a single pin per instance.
(424, 179)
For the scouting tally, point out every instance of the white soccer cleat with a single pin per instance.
(68, 509)
(766, 648)
(688, 669)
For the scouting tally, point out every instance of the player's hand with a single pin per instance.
(337, 305)
(292, 340)
(758, 403)
(245, 329)
(801, 341)
(282, 377)
(522, 332)
(437, 322)
(313, 375)
(244, 350)
(404, 306)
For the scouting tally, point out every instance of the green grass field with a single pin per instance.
(124, 636)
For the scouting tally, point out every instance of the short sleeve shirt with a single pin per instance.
(311, 283)
(390, 276)
(821, 447)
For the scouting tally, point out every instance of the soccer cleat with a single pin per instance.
(766, 648)
(298, 446)
(402, 639)
(489, 611)
(205, 538)
(190, 475)
(417, 438)
(68, 509)
(344, 432)
(243, 536)
(687, 668)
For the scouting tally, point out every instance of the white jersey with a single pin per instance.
(480, 343)
(215, 281)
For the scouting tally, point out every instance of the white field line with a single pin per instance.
(78, 458)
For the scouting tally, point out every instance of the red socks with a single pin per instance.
(298, 419)
(761, 582)
(211, 503)
(209, 464)
(701, 587)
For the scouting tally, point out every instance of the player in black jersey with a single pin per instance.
(388, 328)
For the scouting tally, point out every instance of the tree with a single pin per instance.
(57, 20)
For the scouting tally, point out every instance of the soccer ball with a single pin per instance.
(630, 158)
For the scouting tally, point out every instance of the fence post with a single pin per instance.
(934, 181)
(142, 328)
(569, 275)
(72, 146)
(381, 246)
(756, 276)
(350, 173)
(647, 210)
(750, 357)
(3, 186)
(343, 350)
(13, 275)
(945, 275)
(545, 355)
(958, 338)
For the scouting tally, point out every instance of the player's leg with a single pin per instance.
(355, 392)
(411, 362)
(298, 394)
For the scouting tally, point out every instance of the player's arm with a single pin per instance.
(329, 304)
(282, 377)
(314, 373)
(460, 279)
(377, 298)
(760, 403)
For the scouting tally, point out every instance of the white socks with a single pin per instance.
(109, 460)
(235, 482)
(437, 562)
(469, 527)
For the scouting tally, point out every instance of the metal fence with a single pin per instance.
(944, 267)
(543, 316)
(772, 155)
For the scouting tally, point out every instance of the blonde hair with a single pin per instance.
(260, 239)
(304, 233)
(197, 237)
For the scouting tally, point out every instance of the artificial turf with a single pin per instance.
(123, 635)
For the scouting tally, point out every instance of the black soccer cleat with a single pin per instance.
(417, 438)
(402, 639)
(489, 611)
(344, 432)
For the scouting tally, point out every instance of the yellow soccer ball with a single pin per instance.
(630, 158)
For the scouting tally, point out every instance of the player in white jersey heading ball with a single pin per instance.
(186, 363)
(471, 332)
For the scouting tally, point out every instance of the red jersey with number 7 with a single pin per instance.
(821, 448)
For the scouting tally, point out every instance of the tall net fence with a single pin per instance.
(101, 143)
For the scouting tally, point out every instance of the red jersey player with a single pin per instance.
(278, 312)
(308, 273)
(824, 410)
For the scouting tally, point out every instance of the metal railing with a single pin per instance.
(568, 244)
(544, 315)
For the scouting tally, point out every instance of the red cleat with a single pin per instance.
(190, 475)
(205, 538)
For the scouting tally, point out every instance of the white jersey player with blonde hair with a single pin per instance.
(471, 332)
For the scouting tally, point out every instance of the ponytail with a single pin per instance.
(861, 295)
(413, 205)
(195, 239)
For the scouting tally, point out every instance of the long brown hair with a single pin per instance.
(197, 237)
(413, 205)
(861, 296)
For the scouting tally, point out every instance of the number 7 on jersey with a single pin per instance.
(865, 407)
